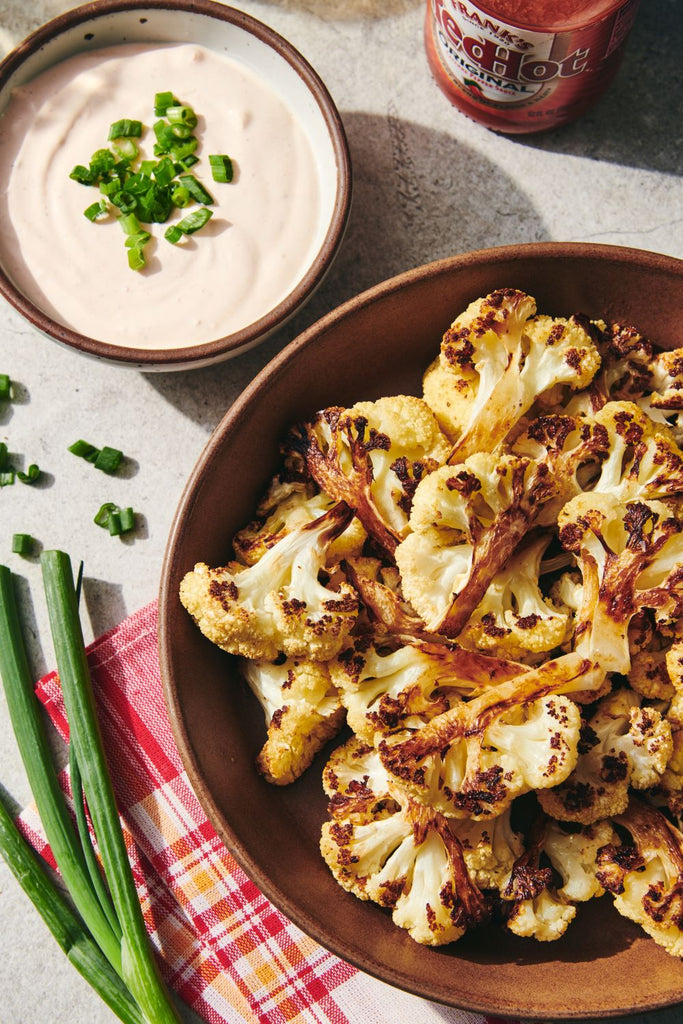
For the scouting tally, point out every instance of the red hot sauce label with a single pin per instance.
(485, 62)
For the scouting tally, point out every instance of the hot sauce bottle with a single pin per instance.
(526, 65)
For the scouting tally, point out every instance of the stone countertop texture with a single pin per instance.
(428, 183)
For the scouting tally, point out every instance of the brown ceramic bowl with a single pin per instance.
(277, 64)
(379, 344)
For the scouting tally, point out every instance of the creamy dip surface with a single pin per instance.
(265, 229)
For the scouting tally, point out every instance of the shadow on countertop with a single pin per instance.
(638, 122)
(419, 195)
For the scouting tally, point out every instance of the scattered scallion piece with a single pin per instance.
(5, 388)
(22, 543)
(84, 450)
(116, 520)
(107, 459)
(31, 474)
(222, 169)
(7, 477)
(182, 115)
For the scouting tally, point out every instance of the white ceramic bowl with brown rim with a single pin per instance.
(267, 58)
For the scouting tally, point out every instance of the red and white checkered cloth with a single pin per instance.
(222, 945)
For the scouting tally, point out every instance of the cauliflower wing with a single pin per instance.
(623, 744)
(384, 689)
(373, 456)
(277, 605)
(495, 360)
(286, 506)
(303, 711)
(476, 758)
(384, 847)
(535, 904)
(631, 557)
(646, 875)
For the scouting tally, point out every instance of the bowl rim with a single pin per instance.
(189, 356)
(235, 414)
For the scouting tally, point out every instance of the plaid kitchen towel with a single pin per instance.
(227, 951)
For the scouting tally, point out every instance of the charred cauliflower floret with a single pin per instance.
(490, 848)
(279, 604)
(495, 360)
(644, 461)
(623, 744)
(645, 875)
(475, 758)
(383, 689)
(535, 904)
(514, 618)
(303, 711)
(384, 847)
(372, 456)
(286, 506)
(631, 557)
(466, 522)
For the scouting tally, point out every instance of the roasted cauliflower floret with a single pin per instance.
(514, 618)
(384, 847)
(623, 744)
(490, 847)
(475, 758)
(495, 360)
(384, 689)
(372, 456)
(303, 711)
(630, 554)
(646, 875)
(644, 461)
(536, 906)
(279, 604)
(286, 506)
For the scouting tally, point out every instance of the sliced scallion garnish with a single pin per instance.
(5, 388)
(222, 169)
(196, 189)
(22, 543)
(126, 128)
(31, 474)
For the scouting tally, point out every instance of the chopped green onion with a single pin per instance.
(194, 221)
(97, 210)
(164, 136)
(221, 167)
(22, 543)
(136, 258)
(182, 115)
(137, 241)
(31, 475)
(173, 234)
(162, 101)
(130, 225)
(164, 172)
(127, 519)
(103, 513)
(108, 459)
(147, 166)
(102, 162)
(5, 388)
(182, 150)
(127, 149)
(82, 175)
(6, 478)
(84, 450)
(180, 196)
(126, 128)
(188, 161)
(196, 189)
